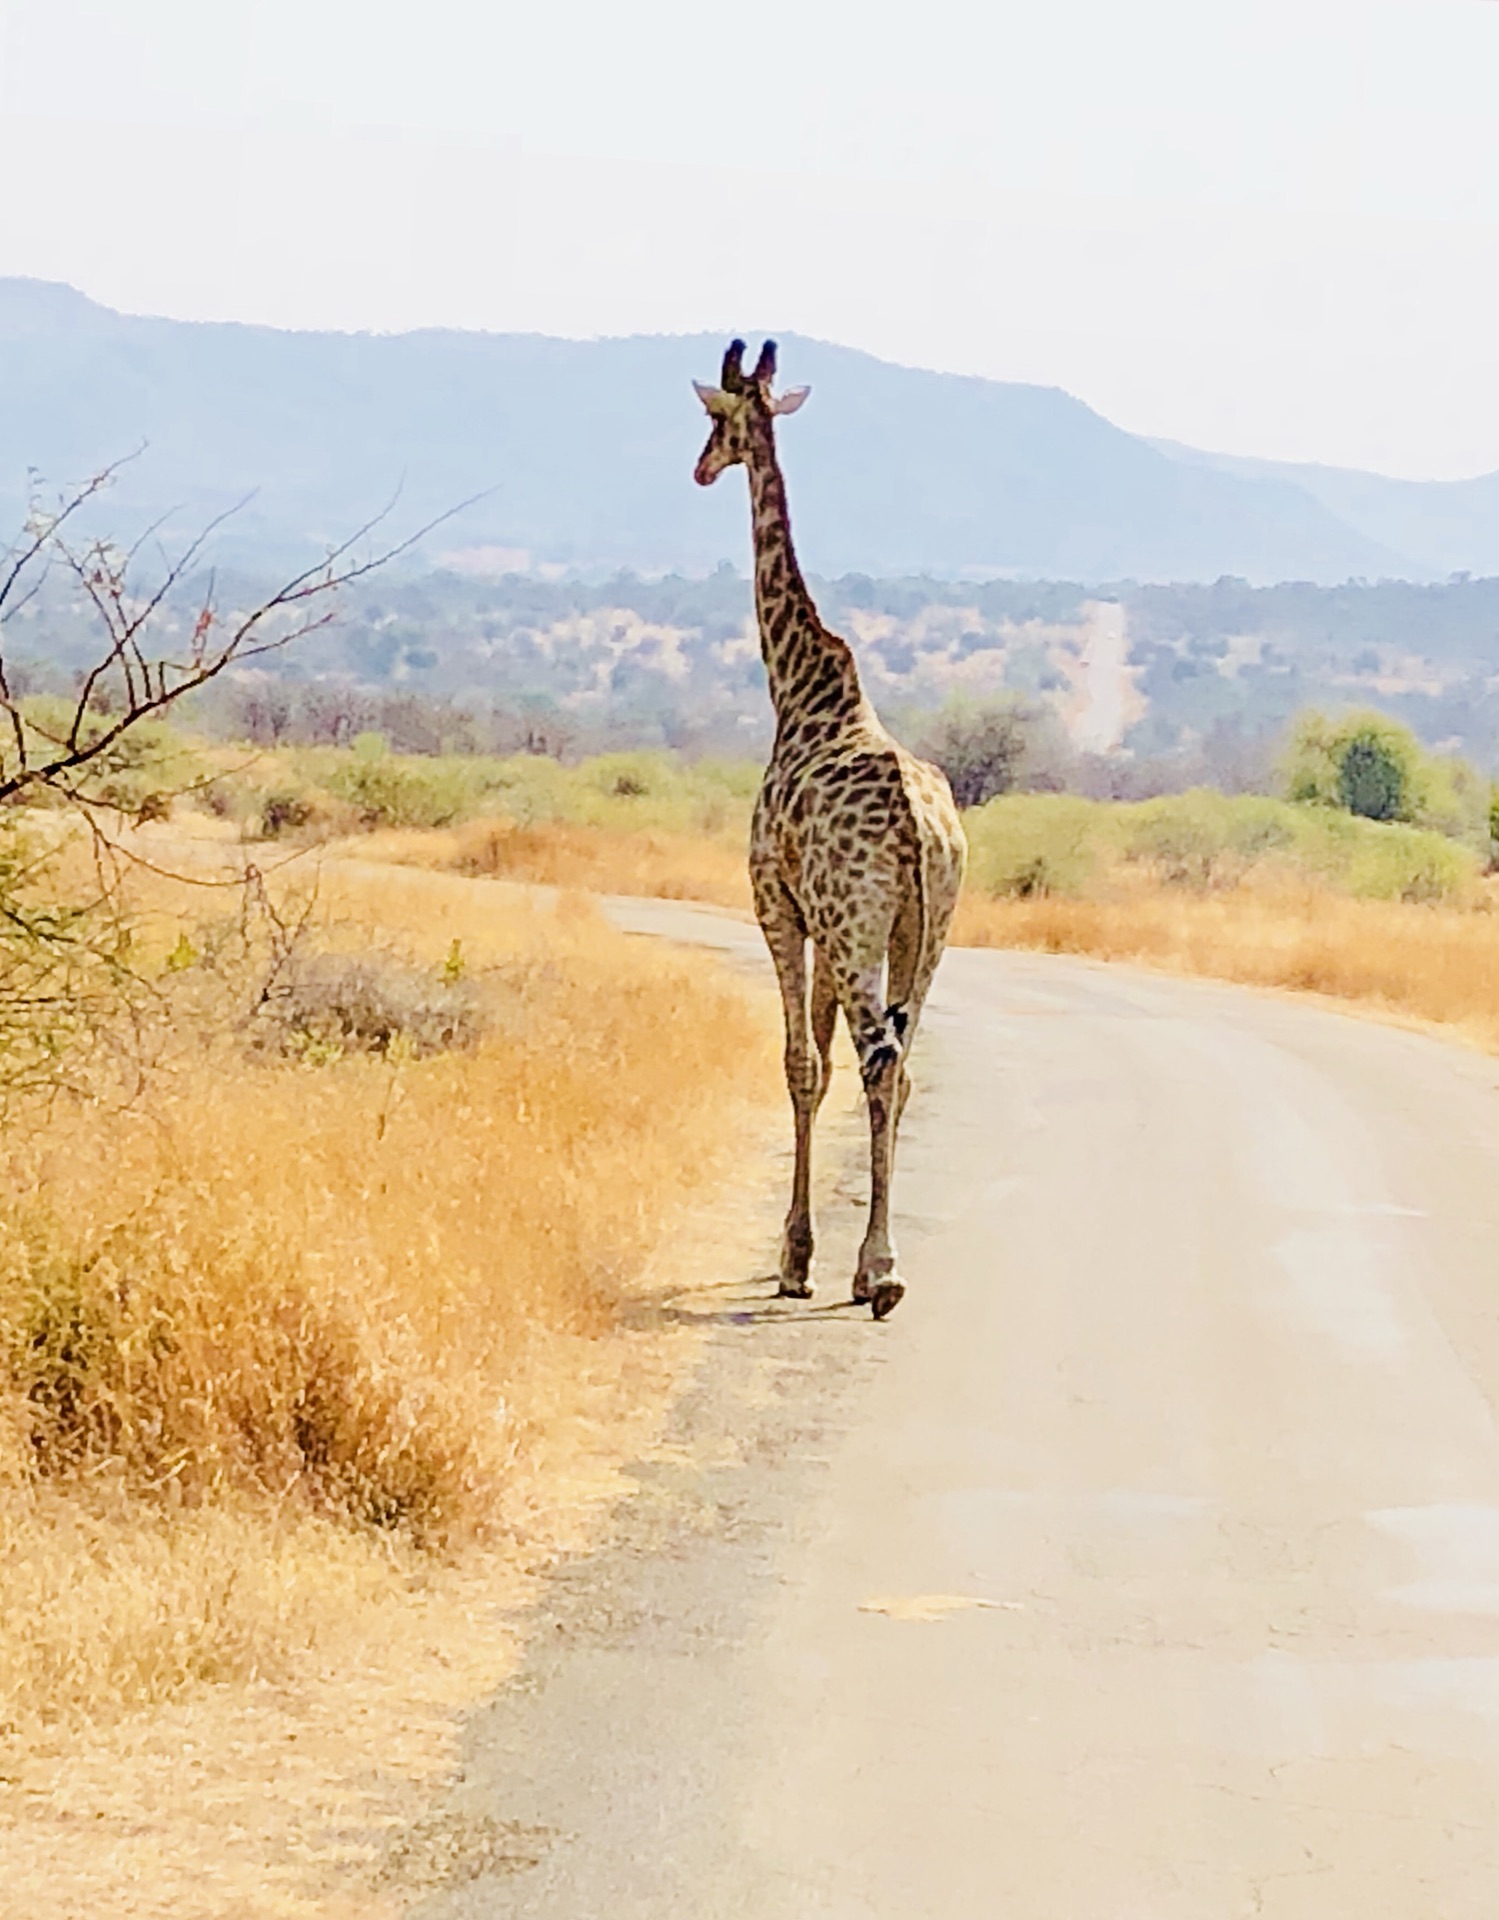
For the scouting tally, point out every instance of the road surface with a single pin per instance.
(1143, 1566)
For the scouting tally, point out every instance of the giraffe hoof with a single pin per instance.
(794, 1290)
(886, 1295)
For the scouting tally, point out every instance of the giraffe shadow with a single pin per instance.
(752, 1303)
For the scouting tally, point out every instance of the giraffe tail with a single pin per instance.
(897, 1013)
(888, 1046)
(929, 887)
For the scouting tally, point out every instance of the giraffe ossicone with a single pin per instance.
(856, 849)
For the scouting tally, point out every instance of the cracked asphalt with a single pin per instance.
(1143, 1566)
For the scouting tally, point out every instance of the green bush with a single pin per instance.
(1369, 765)
(1205, 839)
(1378, 861)
(1054, 843)
(1373, 782)
(647, 792)
(1036, 843)
(387, 790)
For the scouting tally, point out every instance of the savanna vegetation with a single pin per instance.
(1366, 874)
(586, 664)
(318, 1261)
(329, 1190)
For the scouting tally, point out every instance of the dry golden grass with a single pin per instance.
(596, 859)
(305, 1367)
(1426, 963)
(276, 1794)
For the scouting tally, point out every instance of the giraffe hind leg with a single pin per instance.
(910, 963)
(879, 1038)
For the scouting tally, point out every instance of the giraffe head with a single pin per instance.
(741, 406)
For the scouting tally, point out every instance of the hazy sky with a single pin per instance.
(1265, 228)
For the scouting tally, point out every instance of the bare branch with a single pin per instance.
(152, 681)
(42, 526)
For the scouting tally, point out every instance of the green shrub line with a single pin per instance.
(1431, 845)
(1024, 845)
(321, 790)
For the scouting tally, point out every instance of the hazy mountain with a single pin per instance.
(588, 449)
(1443, 526)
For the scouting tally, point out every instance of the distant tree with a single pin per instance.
(980, 745)
(1363, 763)
(332, 712)
(1368, 764)
(536, 726)
(260, 709)
(1374, 779)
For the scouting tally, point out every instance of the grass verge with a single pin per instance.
(1428, 964)
(313, 1356)
(659, 864)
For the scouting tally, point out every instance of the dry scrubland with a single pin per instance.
(1248, 889)
(1395, 917)
(317, 1335)
(1398, 918)
(621, 822)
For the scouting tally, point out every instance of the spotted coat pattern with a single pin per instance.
(855, 849)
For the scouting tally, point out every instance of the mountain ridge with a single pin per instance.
(582, 452)
(1450, 526)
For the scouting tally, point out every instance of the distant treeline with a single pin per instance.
(1456, 622)
(451, 661)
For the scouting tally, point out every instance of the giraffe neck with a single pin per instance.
(814, 683)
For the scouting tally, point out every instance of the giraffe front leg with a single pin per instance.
(808, 1074)
(787, 942)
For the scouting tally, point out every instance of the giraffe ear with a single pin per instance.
(790, 400)
(713, 398)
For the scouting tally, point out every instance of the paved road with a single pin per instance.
(1144, 1566)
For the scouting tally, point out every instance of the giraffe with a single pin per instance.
(855, 845)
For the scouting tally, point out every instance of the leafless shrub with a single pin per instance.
(67, 973)
(329, 1004)
(995, 746)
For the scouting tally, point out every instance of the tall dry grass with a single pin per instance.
(291, 1322)
(1426, 963)
(657, 863)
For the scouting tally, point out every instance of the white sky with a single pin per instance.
(1264, 227)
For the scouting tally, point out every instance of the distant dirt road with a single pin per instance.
(1143, 1566)
(1108, 700)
